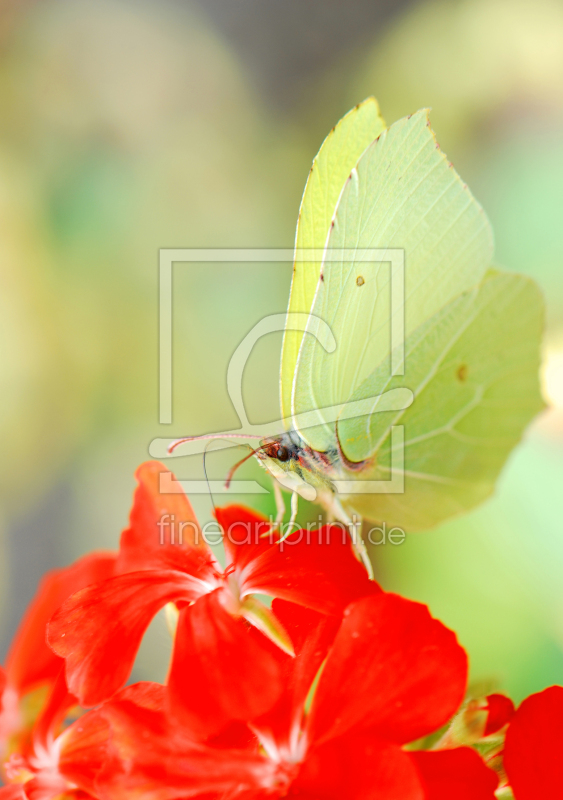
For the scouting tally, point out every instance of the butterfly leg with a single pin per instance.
(291, 524)
(362, 553)
(280, 509)
(294, 507)
(280, 503)
(355, 531)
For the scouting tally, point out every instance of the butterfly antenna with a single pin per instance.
(237, 465)
(229, 474)
(207, 481)
(173, 445)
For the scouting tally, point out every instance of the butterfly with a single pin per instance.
(410, 415)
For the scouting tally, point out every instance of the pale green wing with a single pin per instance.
(473, 369)
(405, 196)
(337, 157)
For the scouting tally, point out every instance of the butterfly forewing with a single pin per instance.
(402, 194)
(338, 155)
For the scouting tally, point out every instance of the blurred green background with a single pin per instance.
(130, 126)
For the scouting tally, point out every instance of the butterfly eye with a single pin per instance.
(282, 453)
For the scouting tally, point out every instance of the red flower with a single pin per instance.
(99, 629)
(58, 762)
(35, 699)
(390, 674)
(533, 746)
(30, 663)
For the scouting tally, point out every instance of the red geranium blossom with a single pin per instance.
(57, 762)
(533, 747)
(389, 674)
(99, 629)
(43, 760)
(31, 666)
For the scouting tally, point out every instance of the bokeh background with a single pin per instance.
(130, 126)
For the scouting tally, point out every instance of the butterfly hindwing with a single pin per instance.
(473, 369)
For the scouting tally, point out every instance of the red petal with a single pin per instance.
(30, 661)
(3, 681)
(152, 760)
(357, 768)
(145, 694)
(98, 630)
(83, 750)
(312, 634)
(501, 711)
(222, 670)
(317, 569)
(46, 786)
(243, 534)
(458, 773)
(533, 747)
(13, 792)
(163, 531)
(410, 668)
(59, 701)
(235, 735)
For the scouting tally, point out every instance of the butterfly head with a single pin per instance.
(294, 465)
(280, 448)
